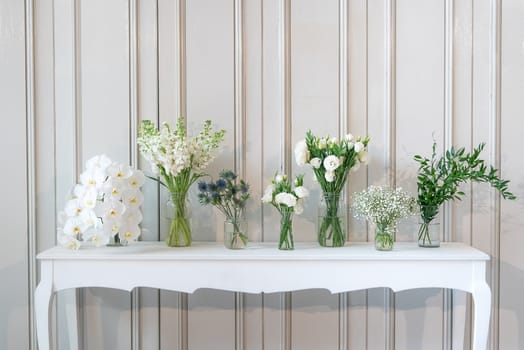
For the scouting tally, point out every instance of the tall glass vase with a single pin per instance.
(285, 241)
(235, 233)
(178, 215)
(429, 228)
(332, 220)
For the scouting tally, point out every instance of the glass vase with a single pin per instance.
(285, 241)
(235, 233)
(429, 227)
(332, 220)
(178, 216)
(384, 236)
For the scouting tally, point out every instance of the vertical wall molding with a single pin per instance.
(343, 83)
(30, 166)
(391, 156)
(180, 14)
(495, 154)
(447, 302)
(240, 141)
(133, 156)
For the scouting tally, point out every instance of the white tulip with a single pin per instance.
(331, 163)
(349, 137)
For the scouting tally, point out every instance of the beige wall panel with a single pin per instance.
(511, 324)
(419, 66)
(314, 98)
(14, 322)
(210, 95)
(104, 128)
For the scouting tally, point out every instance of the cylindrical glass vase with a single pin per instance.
(178, 217)
(235, 233)
(332, 220)
(285, 241)
(429, 227)
(384, 236)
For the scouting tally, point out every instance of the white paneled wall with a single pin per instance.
(77, 78)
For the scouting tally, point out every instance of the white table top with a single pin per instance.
(206, 251)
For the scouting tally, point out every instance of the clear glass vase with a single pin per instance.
(178, 216)
(429, 227)
(285, 241)
(235, 233)
(332, 220)
(384, 236)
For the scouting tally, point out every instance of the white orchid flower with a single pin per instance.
(331, 163)
(98, 162)
(93, 178)
(137, 179)
(132, 199)
(89, 199)
(129, 231)
(110, 210)
(98, 237)
(114, 188)
(74, 226)
(69, 242)
(89, 218)
(119, 171)
(73, 207)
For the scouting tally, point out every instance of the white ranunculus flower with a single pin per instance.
(301, 192)
(331, 163)
(329, 176)
(268, 194)
(299, 209)
(359, 146)
(286, 198)
(363, 157)
(316, 162)
(301, 153)
(349, 137)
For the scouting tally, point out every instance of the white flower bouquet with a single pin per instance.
(287, 199)
(105, 205)
(384, 206)
(331, 160)
(180, 161)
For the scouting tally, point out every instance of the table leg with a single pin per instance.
(43, 295)
(482, 310)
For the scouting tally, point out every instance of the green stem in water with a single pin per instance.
(331, 231)
(180, 229)
(285, 241)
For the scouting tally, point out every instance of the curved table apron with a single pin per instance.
(264, 269)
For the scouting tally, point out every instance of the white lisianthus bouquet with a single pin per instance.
(331, 160)
(180, 161)
(105, 205)
(384, 206)
(287, 198)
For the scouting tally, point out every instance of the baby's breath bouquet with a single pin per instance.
(287, 199)
(230, 197)
(331, 160)
(384, 206)
(180, 161)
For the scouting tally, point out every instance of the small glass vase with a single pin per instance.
(115, 241)
(235, 233)
(285, 241)
(429, 228)
(332, 220)
(178, 216)
(384, 236)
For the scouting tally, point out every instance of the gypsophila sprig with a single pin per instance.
(287, 198)
(384, 205)
(180, 161)
(104, 205)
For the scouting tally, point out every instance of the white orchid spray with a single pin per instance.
(104, 205)
(331, 160)
(287, 198)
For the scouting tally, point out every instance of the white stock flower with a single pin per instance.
(301, 153)
(331, 163)
(315, 162)
(286, 199)
(301, 192)
(329, 176)
(359, 146)
(349, 137)
(268, 194)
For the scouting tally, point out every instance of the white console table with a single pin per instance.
(262, 268)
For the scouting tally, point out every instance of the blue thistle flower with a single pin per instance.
(202, 186)
(221, 184)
